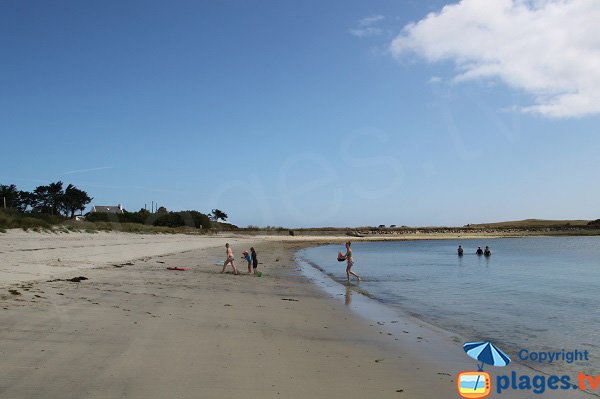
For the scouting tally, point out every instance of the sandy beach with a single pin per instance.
(415, 176)
(133, 329)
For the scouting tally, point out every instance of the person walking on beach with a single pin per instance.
(254, 260)
(349, 262)
(460, 250)
(230, 259)
(248, 258)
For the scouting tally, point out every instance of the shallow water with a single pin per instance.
(537, 293)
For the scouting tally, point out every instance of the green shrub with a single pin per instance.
(102, 217)
(200, 220)
(170, 219)
(136, 222)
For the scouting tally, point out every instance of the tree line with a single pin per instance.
(161, 217)
(53, 199)
(50, 199)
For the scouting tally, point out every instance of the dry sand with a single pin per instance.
(30, 256)
(134, 329)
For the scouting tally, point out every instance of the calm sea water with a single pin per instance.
(537, 293)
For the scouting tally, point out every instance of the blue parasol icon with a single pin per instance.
(487, 353)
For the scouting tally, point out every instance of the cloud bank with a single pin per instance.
(550, 49)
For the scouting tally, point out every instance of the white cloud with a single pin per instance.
(365, 32)
(373, 19)
(366, 26)
(547, 48)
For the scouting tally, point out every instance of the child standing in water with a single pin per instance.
(254, 261)
(230, 259)
(349, 262)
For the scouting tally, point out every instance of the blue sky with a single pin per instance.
(306, 113)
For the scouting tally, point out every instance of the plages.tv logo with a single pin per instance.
(474, 384)
(478, 384)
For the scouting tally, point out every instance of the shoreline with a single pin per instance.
(135, 329)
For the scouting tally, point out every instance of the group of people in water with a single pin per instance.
(249, 257)
(485, 252)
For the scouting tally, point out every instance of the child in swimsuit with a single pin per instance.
(254, 260)
(248, 258)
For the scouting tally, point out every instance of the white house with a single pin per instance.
(108, 209)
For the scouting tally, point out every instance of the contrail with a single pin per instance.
(85, 170)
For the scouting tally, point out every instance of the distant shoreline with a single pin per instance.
(419, 233)
(337, 234)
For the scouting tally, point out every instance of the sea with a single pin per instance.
(534, 293)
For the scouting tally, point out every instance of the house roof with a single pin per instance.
(107, 209)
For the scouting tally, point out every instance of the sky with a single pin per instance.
(308, 113)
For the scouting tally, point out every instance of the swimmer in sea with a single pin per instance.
(487, 251)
